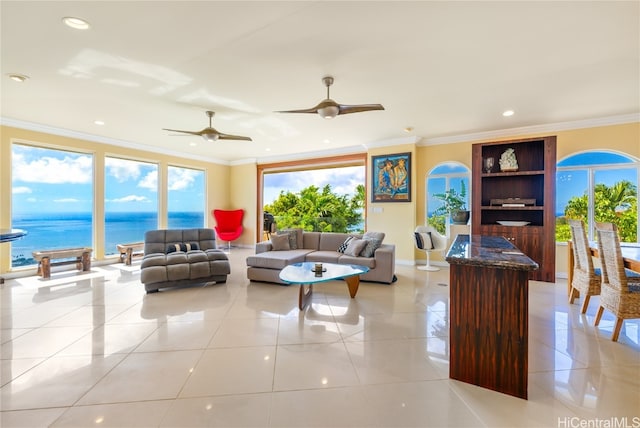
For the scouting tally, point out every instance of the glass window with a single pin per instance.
(131, 201)
(185, 198)
(449, 178)
(597, 186)
(52, 200)
(321, 199)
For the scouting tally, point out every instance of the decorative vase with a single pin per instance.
(460, 217)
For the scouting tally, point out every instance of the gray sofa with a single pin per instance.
(266, 264)
(165, 264)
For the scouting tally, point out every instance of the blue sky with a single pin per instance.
(47, 180)
(572, 183)
(54, 181)
(343, 181)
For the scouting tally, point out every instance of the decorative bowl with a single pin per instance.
(513, 223)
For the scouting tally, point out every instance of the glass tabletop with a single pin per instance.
(303, 273)
(7, 235)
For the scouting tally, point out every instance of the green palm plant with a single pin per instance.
(452, 201)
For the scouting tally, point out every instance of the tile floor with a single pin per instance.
(92, 349)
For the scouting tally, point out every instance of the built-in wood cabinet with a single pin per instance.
(526, 195)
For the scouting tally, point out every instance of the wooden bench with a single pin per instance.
(81, 257)
(127, 251)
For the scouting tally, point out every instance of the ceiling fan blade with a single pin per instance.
(184, 132)
(321, 105)
(306, 110)
(346, 109)
(222, 136)
(209, 133)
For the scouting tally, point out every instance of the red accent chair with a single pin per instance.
(228, 224)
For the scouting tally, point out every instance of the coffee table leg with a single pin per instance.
(353, 282)
(304, 296)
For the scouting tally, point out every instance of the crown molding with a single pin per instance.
(419, 141)
(534, 129)
(394, 142)
(36, 127)
(314, 154)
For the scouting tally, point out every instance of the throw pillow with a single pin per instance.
(280, 242)
(343, 247)
(374, 240)
(355, 247)
(172, 248)
(423, 240)
(293, 238)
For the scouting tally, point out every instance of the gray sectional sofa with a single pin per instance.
(266, 264)
(171, 259)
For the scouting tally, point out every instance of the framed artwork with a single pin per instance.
(391, 178)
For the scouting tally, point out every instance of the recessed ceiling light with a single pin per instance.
(98, 122)
(267, 149)
(326, 141)
(76, 23)
(18, 77)
(507, 113)
(192, 144)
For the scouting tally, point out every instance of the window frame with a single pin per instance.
(356, 159)
(447, 177)
(591, 170)
(92, 186)
(204, 194)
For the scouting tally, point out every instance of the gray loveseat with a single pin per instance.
(266, 264)
(170, 259)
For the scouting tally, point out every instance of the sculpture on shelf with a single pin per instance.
(508, 161)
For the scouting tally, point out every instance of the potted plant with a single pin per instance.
(453, 204)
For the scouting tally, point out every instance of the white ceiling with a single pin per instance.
(444, 68)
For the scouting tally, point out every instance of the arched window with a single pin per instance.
(445, 179)
(597, 186)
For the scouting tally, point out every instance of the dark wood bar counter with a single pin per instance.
(488, 325)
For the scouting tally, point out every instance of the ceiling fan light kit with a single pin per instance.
(211, 137)
(329, 112)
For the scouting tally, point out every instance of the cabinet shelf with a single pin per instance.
(499, 208)
(510, 174)
(505, 229)
(532, 186)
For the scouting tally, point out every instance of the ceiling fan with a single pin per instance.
(210, 134)
(329, 109)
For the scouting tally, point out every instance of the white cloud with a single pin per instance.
(149, 181)
(32, 200)
(181, 178)
(66, 200)
(130, 198)
(21, 189)
(49, 170)
(121, 169)
(343, 181)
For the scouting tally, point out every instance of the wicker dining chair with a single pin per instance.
(586, 278)
(620, 292)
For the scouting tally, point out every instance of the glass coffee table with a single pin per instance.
(304, 275)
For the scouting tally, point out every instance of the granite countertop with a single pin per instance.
(489, 251)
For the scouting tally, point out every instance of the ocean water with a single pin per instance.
(69, 230)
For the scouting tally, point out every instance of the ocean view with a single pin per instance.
(69, 230)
